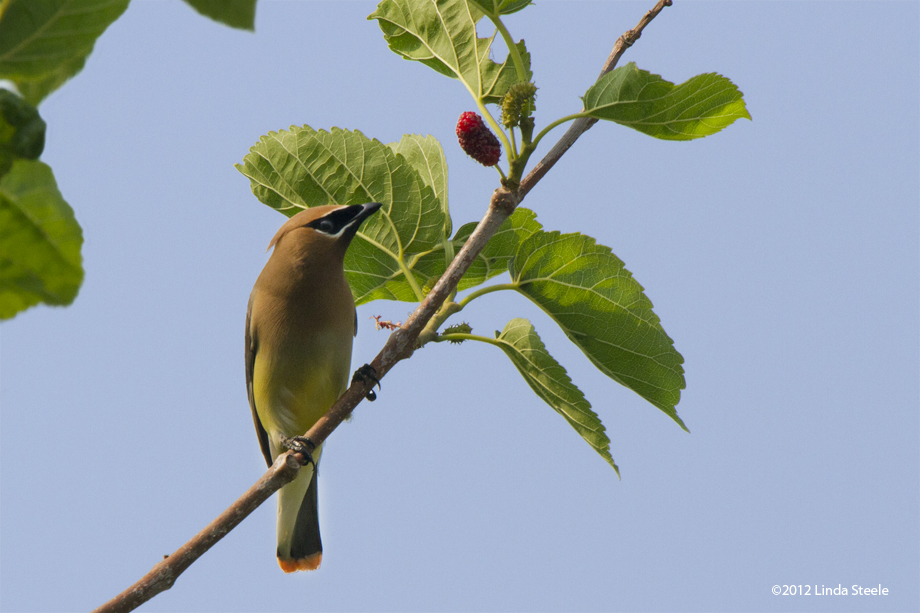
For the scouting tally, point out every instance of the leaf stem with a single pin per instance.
(495, 127)
(556, 123)
(512, 48)
(430, 332)
(410, 278)
(485, 290)
(462, 336)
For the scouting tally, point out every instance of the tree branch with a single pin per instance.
(583, 124)
(399, 346)
(162, 576)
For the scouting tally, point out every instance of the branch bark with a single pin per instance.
(583, 124)
(399, 346)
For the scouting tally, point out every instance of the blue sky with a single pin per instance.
(780, 255)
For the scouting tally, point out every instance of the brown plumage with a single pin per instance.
(299, 328)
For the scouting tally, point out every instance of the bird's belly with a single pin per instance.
(293, 392)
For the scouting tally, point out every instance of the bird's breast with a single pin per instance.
(303, 357)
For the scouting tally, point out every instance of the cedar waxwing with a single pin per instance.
(299, 328)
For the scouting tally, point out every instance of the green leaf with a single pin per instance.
(301, 167)
(442, 35)
(374, 274)
(234, 13)
(502, 7)
(45, 42)
(35, 90)
(548, 379)
(491, 261)
(40, 241)
(601, 308)
(425, 154)
(513, 6)
(22, 130)
(645, 102)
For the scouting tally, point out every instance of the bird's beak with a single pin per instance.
(367, 210)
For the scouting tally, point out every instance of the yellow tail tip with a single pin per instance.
(310, 562)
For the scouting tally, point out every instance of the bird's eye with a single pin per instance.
(326, 227)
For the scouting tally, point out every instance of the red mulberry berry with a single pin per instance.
(477, 140)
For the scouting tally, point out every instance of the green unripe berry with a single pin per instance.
(518, 103)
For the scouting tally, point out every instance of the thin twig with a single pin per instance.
(399, 346)
(583, 124)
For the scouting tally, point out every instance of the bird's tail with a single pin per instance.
(299, 545)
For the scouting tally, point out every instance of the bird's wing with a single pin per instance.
(251, 349)
(356, 322)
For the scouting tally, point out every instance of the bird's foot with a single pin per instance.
(302, 445)
(364, 374)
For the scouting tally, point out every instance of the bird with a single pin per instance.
(300, 324)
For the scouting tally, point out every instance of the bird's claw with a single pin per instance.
(364, 374)
(302, 445)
